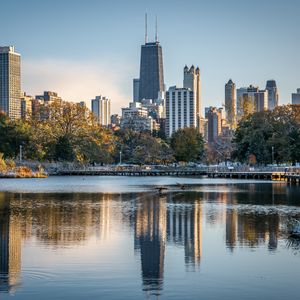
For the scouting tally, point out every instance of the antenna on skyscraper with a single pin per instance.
(156, 36)
(146, 33)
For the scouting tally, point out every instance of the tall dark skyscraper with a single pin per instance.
(151, 69)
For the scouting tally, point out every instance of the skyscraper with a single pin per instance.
(136, 89)
(180, 109)
(101, 110)
(261, 100)
(230, 103)
(151, 69)
(251, 100)
(214, 123)
(296, 97)
(191, 80)
(10, 82)
(273, 97)
(239, 102)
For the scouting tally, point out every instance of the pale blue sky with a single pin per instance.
(84, 48)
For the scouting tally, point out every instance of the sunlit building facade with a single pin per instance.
(101, 110)
(10, 82)
(180, 109)
(192, 81)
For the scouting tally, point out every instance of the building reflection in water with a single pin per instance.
(161, 219)
(63, 220)
(150, 239)
(184, 226)
(10, 249)
(248, 226)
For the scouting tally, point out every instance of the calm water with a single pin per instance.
(223, 239)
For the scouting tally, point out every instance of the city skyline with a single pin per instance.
(92, 61)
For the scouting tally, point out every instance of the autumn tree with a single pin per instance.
(143, 148)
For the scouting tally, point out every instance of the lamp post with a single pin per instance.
(272, 155)
(120, 157)
(21, 148)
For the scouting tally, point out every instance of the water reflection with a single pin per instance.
(174, 219)
(184, 225)
(150, 239)
(10, 249)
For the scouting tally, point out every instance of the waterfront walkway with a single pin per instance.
(172, 172)
(290, 177)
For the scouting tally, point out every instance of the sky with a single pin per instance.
(81, 49)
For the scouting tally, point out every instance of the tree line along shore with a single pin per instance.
(68, 132)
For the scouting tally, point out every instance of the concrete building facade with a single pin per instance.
(101, 110)
(180, 109)
(192, 81)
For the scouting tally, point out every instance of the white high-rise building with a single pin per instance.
(192, 81)
(181, 109)
(10, 82)
(101, 110)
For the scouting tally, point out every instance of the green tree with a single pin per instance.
(187, 144)
(64, 150)
(12, 135)
(257, 134)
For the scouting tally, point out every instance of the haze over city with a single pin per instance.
(81, 49)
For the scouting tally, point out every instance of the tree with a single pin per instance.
(257, 134)
(70, 125)
(187, 145)
(64, 150)
(12, 135)
(142, 148)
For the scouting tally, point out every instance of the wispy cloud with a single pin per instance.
(78, 81)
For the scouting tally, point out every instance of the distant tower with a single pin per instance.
(230, 103)
(136, 89)
(296, 97)
(273, 97)
(214, 123)
(10, 82)
(192, 81)
(151, 68)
